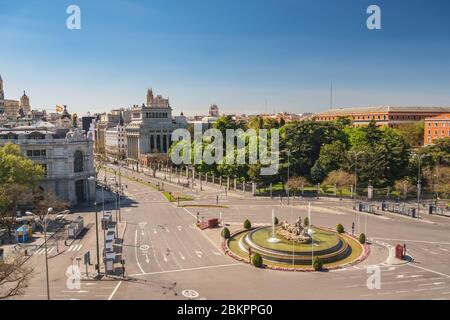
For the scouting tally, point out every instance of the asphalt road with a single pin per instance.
(167, 257)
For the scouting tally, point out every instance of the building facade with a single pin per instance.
(437, 127)
(116, 141)
(65, 155)
(390, 116)
(9, 108)
(151, 128)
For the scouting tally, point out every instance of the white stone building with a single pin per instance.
(151, 128)
(66, 156)
(116, 141)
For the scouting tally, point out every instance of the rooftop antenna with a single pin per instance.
(331, 95)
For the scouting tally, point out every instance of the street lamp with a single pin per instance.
(96, 224)
(288, 152)
(419, 160)
(44, 225)
(356, 154)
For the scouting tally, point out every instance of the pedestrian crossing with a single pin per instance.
(75, 247)
(41, 251)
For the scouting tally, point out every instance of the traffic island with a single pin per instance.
(334, 250)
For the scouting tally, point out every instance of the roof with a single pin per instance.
(444, 116)
(345, 111)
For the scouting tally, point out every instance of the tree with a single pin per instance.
(442, 183)
(226, 233)
(362, 238)
(257, 260)
(333, 156)
(317, 173)
(317, 264)
(296, 184)
(247, 224)
(42, 201)
(304, 139)
(412, 133)
(14, 276)
(340, 179)
(340, 228)
(403, 187)
(18, 176)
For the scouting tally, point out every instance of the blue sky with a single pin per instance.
(237, 54)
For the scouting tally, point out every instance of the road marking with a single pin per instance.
(190, 294)
(430, 284)
(216, 253)
(418, 241)
(181, 256)
(136, 252)
(115, 290)
(198, 253)
(436, 272)
(154, 231)
(180, 228)
(187, 269)
(444, 249)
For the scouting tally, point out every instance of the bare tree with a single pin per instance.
(14, 276)
(404, 187)
(296, 183)
(340, 179)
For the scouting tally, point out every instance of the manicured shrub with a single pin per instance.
(318, 264)
(247, 224)
(275, 221)
(225, 233)
(257, 260)
(306, 222)
(362, 238)
(340, 228)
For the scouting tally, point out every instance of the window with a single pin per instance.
(78, 165)
(29, 153)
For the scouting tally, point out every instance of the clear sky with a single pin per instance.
(235, 53)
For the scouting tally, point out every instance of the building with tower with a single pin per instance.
(11, 108)
(25, 103)
(151, 128)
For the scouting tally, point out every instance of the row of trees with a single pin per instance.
(327, 152)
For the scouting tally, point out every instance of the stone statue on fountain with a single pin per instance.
(294, 232)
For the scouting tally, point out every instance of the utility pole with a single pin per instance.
(46, 253)
(96, 238)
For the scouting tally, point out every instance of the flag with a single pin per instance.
(59, 108)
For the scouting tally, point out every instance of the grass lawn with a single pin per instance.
(174, 198)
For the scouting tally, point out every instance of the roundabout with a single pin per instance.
(280, 250)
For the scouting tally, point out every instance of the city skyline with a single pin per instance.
(199, 54)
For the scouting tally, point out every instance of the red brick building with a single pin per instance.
(437, 127)
(390, 116)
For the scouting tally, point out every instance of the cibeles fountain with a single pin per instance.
(294, 245)
(295, 232)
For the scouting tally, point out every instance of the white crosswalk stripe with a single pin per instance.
(75, 247)
(41, 251)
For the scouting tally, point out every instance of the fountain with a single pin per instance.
(295, 245)
(273, 239)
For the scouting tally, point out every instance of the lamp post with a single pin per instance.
(44, 225)
(288, 152)
(419, 160)
(356, 154)
(92, 178)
